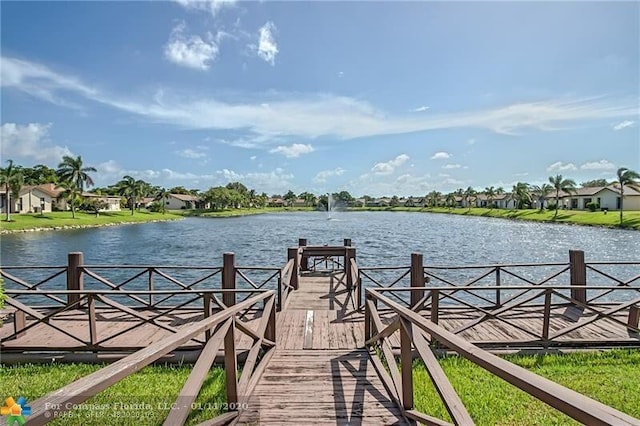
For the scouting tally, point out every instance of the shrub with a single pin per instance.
(154, 207)
(551, 206)
(593, 206)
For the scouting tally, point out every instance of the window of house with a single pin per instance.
(586, 201)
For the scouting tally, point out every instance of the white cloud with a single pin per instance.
(389, 167)
(253, 157)
(421, 108)
(190, 51)
(30, 141)
(440, 155)
(523, 174)
(322, 176)
(191, 153)
(598, 165)
(293, 151)
(275, 181)
(561, 167)
(310, 115)
(267, 47)
(212, 6)
(623, 124)
(340, 74)
(471, 141)
(452, 166)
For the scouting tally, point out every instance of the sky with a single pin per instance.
(375, 98)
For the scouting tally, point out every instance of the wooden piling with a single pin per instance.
(75, 279)
(578, 275)
(417, 278)
(228, 278)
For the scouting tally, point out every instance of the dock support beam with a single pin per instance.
(578, 275)
(75, 279)
(350, 253)
(228, 279)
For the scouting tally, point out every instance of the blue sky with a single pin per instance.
(376, 98)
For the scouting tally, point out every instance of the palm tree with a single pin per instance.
(560, 184)
(626, 177)
(72, 194)
(132, 189)
(17, 182)
(70, 170)
(162, 196)
(541, 192)
(521, 195)
(7, 175)
(490, 192)
(450, 200)
(468, 193)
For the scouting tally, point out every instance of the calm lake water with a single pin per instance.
(381, 238)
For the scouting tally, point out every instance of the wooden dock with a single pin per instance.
(321, 370)
(317, 345)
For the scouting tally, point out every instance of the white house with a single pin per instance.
(183, 201)
(32, 199)
(112, 203)
(606, 197)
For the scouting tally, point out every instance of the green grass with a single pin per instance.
(576, 217)
(157, 386)
(21, 222)
(611, 377)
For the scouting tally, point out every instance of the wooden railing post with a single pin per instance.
(292, 253)
(75, 279)
(546, 318)
(231, 365)
(350, 253)
(417, 278)
(634, 316)
(367, 320)
(206, 307)
(406, 362)
(578, 275)
(498, 283)
(151, 287)
(270, 332)
(228, 279)
(93, 329)
(304, 263)
(19, 324)
(435, 305)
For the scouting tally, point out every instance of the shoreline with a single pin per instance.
(70, 227)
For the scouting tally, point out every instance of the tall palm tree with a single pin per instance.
(450, 199)
(626, 177)
(468, 194)
(560, 184)
(72, 194)
(162, 196)
(490, 192)
(71, 170)
(132, 189)
(521, 194)
(541, 192)
(7, 175)
(17, 182)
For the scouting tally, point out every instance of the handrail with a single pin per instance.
(82, 389)
(573, 404)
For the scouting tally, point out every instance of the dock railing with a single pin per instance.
(417, 333)
(221, 329)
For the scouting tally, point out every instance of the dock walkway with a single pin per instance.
(320, 369)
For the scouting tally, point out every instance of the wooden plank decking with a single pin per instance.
(320, 371)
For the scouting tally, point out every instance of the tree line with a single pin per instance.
(73, 177)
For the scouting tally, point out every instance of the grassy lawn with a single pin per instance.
(610, 377)
(157, 386)
(60, 219)
(577, 217)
